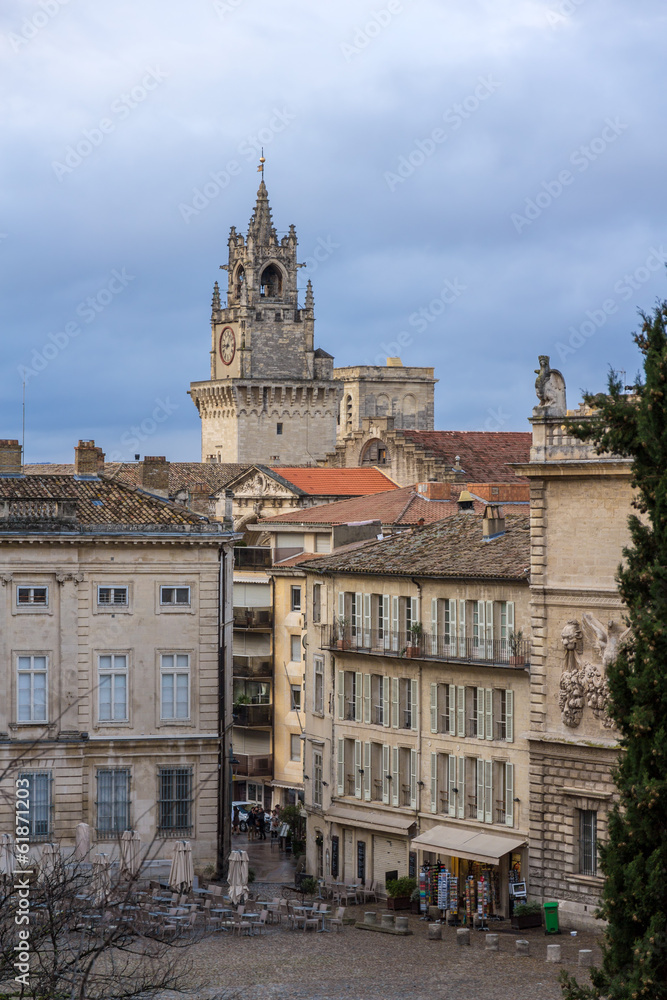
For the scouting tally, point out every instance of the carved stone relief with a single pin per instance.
(583, 682)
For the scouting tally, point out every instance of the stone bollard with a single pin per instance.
(585, 957)
(435, 932)
(370, 917)
(491, 942)
(401, 923)
(553, 953)
(433, 913)
(387, 920)
(463, 935)
(522, 947)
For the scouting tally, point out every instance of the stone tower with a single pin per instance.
(271, 398)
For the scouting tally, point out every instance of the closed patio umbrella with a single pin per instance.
(130, 852)
(101, 880)
(82, 848)
(7, 861)
(49, 861)
(238, 876)
(182, 873)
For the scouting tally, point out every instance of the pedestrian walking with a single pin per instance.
(261, 824)
(251, 824)
(275, 824)
(236, 821)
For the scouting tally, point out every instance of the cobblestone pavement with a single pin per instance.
(363, 965)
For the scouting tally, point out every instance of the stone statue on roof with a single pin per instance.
(550, 389)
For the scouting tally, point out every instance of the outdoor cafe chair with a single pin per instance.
(239, 925)
(312, 920)
(369, 892)
(260, 923)
(337, 921)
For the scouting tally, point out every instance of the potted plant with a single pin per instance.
(343, 641)
(414, 647)
(515, 642)
(526, 915)
(399, 891)
(415, 900)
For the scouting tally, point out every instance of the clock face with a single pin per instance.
(227, 345)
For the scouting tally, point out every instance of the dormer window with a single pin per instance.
(271, 282)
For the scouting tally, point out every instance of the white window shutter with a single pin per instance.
(453, 631)
(341, 767)
(385, 701)
(462, 628)
(461, 711)
(488, 722)
(452, 709)
(394, 623)
(414, 702)
(510, 616)
(341, 604)
(341, 694)
(488, 791)
(367, 772)
(357, 768)
(461, 811)
(480, 790)
(489, 630)
(480, 713)
(434, 708)
(434, 626)
(509, 794)
(509, 716)
(395, 790)
(414, 610)
(413, 779)
(385, 773)
(357, 697)
(394, 702)
(434, 782)
(385, 621)
(452, 785)
(356, 618)
(367, 699)
(367, 620)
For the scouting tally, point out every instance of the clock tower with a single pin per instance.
(271, 398)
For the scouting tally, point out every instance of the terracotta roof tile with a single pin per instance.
(450, 548)
(485, 456)
(317, 481)
(182, 475)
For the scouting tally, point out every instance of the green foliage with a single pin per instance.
(251, 875)
(526, 909)
(403, 886)
(634, 858)
(515, 640)
(309, 885)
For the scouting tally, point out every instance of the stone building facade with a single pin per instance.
(405, 394)
(580, 502)
(111, 638)
(271, 396)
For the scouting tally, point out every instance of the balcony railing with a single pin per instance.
(253, 766)
(252, 557)
(253, 618)
(425, 647)
(252, 666)
(252, 716)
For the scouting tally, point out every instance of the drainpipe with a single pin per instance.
(419, 720)
(224, 834)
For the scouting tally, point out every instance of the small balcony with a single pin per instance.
(253, 766)
(447, 649)
(254, 619)
(253, 716)
(252, 557)
(252, 666)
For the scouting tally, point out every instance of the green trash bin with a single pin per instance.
(551, 918)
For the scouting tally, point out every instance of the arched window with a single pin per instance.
(409, 411)
(375, 453)
(271, 282)
(240, 278)
(348, 413)
(383, 405)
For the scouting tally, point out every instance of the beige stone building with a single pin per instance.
(112, 641)
(417, 703)
(580, 504)
(404, 394)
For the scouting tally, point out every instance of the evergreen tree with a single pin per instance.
(634, 858)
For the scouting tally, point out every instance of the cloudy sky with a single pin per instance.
(483, 182)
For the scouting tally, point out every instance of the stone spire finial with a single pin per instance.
(310, 301)
(261, 228)
(215, 302)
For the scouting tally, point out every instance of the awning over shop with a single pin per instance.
(458, 843)
(294, 785)
(372, 819)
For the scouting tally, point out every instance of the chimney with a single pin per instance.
(465, 501)
(155, 474)
(493, 523)
(10, 458)
(433, 490)
(88, 459)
